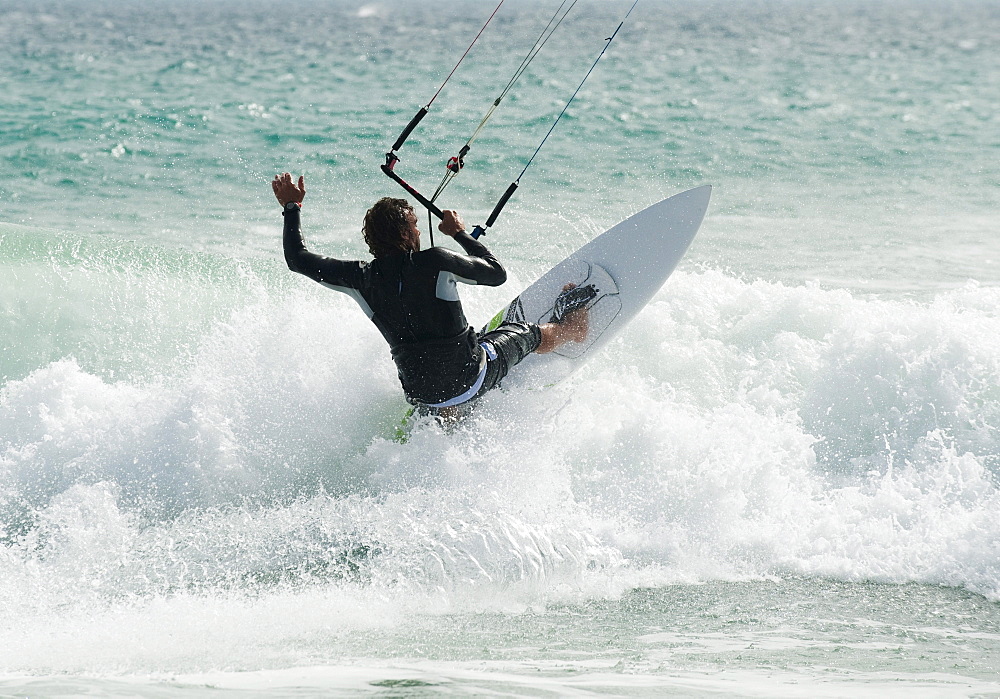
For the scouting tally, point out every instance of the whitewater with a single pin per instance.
(783, 478)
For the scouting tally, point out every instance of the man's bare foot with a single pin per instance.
(573, 328)
(577, 324)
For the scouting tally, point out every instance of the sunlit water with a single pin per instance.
(781, 480)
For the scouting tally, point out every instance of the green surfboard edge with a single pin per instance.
(496, 321)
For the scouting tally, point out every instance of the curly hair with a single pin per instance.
(387, 229)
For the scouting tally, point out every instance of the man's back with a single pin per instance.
(412, 298)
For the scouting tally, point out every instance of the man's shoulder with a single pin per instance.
(436, 256)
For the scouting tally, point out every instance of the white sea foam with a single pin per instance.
(736, 429)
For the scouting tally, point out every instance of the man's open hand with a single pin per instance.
(286, 190)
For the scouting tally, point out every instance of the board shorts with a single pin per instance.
(504, 348)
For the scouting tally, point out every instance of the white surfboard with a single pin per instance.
(627, 265)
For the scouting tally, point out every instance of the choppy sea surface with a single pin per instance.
(783, 479)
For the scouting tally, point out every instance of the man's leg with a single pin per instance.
(506, 346)
(512, 342)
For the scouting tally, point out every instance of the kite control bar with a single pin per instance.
(391, 158)
(456, 163)
(390, 162)
(389, 169)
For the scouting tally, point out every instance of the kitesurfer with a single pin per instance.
(412, 297)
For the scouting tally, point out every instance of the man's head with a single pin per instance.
(391, 227)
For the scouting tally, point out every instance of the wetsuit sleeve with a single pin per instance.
(326, 270)
(477, 266)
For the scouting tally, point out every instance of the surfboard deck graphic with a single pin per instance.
(540, 307)
(627, 265)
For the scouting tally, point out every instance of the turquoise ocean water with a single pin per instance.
(782, 480)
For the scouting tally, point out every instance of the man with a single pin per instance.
(411, 295)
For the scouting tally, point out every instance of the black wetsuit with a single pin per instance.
(413, 300)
